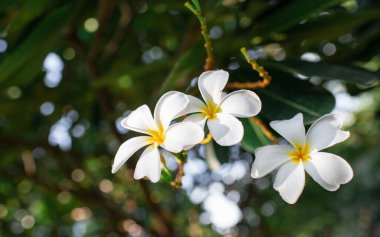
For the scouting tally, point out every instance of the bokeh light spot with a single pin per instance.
(28, 222)
(3, 45)
(80, 213)
(64, 197)
(106, 186)
(78, 175)
(14, 92)
(47, 108)
(68, 54)
(91, 24)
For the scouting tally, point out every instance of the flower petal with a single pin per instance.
(313, 172)
(149, 165)
(195, 105)
(127, 149)
(290, 181)
(241, 103)
(326, 132)
(197, 118)
(181, 135)
(169, 107)
(326, 168)
(292, 129)
(269, 158)
(226, 129)
(140, 120)
(211, 84)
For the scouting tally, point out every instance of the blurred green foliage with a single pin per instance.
(69, 70)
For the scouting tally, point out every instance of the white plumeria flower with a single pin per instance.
(159, 132)
(303, 153)
(220, 111)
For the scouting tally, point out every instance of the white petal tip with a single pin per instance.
(255, 173)
(114, 170)
(155, 180)
(287, 199)
(291, 202)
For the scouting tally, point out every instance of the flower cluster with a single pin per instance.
(218, 111)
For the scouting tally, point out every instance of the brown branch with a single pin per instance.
(11, 141)
(105, 9)
(73, 40)
(178, 182)
(196, 9)
(252, 85)
(162, 227)
(264, 129)
(119, 36)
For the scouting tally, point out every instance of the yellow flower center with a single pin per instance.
(158, 135)
(300, 153)
(211, 110)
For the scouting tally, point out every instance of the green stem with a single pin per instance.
(195, 8)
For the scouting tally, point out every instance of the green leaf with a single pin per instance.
(189, 62)
(29, 11)
(291, 14)
(253, 136)
(6, 4)
(214, 156)
(286, 96)
(331, 26)
(325, 71)
(35, 46)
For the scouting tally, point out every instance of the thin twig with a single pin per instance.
(73, 40)
(165, 167)
(264, 129)
(181, 160)
(197, 10)
(163, 228)
(207, 139)
(252, 85)
(105, 9)
(119, 35)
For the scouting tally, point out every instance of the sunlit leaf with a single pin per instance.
(253, 136)
(35, 47)
(326, 71)
(291, 14)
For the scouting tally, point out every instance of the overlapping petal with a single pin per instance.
(140, 120)
(325, 132)
(197, 118)
(268, 158)
(331, 169)
(226, 129)
(149, 165)
(182, 135)
(127, 149)
(241, 103)
(211, 84)
(292, 129)
(290, 181)
(169, 107)
(313, 172)
(195, 105)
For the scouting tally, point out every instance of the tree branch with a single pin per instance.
(195, 8)
(252, 85)
(119, 35)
